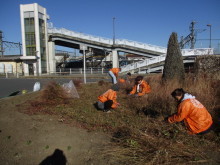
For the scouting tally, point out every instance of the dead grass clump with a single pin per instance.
(125, 87)
(53, 93)
(160, 100)
(101, 83)
(104, 83)
(122, 133)
(136, 104)
(151, 79)
(77, 82)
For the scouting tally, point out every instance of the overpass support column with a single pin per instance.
(25, 68)
(115, 63)
(51, 63)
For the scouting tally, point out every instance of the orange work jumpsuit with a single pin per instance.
(109, 95)
(196, 117)
(144, 88)
(115, 71)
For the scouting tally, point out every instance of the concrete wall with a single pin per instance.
(11, 67)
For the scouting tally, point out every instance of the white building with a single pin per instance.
(34, 39)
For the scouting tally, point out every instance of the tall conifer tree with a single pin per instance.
(173, 67)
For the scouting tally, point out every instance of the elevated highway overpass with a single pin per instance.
(64, 37)
(155, 54)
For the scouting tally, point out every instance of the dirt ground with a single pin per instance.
(42, 139)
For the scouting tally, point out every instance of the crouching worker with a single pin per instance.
(141, 87)
(195, 116)
(125, 78)
(107, 100)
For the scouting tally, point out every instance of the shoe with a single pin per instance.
(107, 111)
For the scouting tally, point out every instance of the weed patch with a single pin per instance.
(139, 133)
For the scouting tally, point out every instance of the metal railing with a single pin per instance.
(80, 71)
(106, 40)
(59, 72)
(158, 59)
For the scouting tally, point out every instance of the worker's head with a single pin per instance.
(129, 74)
(178, 94)
(115, 87)
(138, 79)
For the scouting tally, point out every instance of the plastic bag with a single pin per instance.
(36, 86)
(70, 90)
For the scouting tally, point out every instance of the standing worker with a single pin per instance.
(114, 74)
(195, 116)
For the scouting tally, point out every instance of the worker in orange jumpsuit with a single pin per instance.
(108, 100)
(125, 78)
(141, 87)
(114, 74)
(195, 116)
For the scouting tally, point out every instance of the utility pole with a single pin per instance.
(20, 45)
(193, 40)
(113, 30)
(84, 48)
(191, 37)
(1, 43)
(210, 35)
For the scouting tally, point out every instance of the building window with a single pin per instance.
(30, 34)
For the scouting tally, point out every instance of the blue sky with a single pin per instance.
(147, 21)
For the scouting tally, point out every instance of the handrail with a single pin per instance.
(154, 60)
(108, 41)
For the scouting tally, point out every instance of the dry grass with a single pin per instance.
(77, 82)
(139, 133)
(52, 95)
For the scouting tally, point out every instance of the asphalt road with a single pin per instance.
(11, 85)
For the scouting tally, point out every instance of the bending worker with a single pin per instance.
(107, 100)
(195, 116)
(114, 74)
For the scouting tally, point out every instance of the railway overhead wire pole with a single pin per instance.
(84, 48)
(210, 35)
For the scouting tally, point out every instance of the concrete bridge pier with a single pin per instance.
(51, 62)
(115, 63)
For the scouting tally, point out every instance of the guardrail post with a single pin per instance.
(60, 71)
(91, 70)
(80, 70)
(70, 71)
(102, 70)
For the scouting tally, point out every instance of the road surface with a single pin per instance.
(11, 85)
